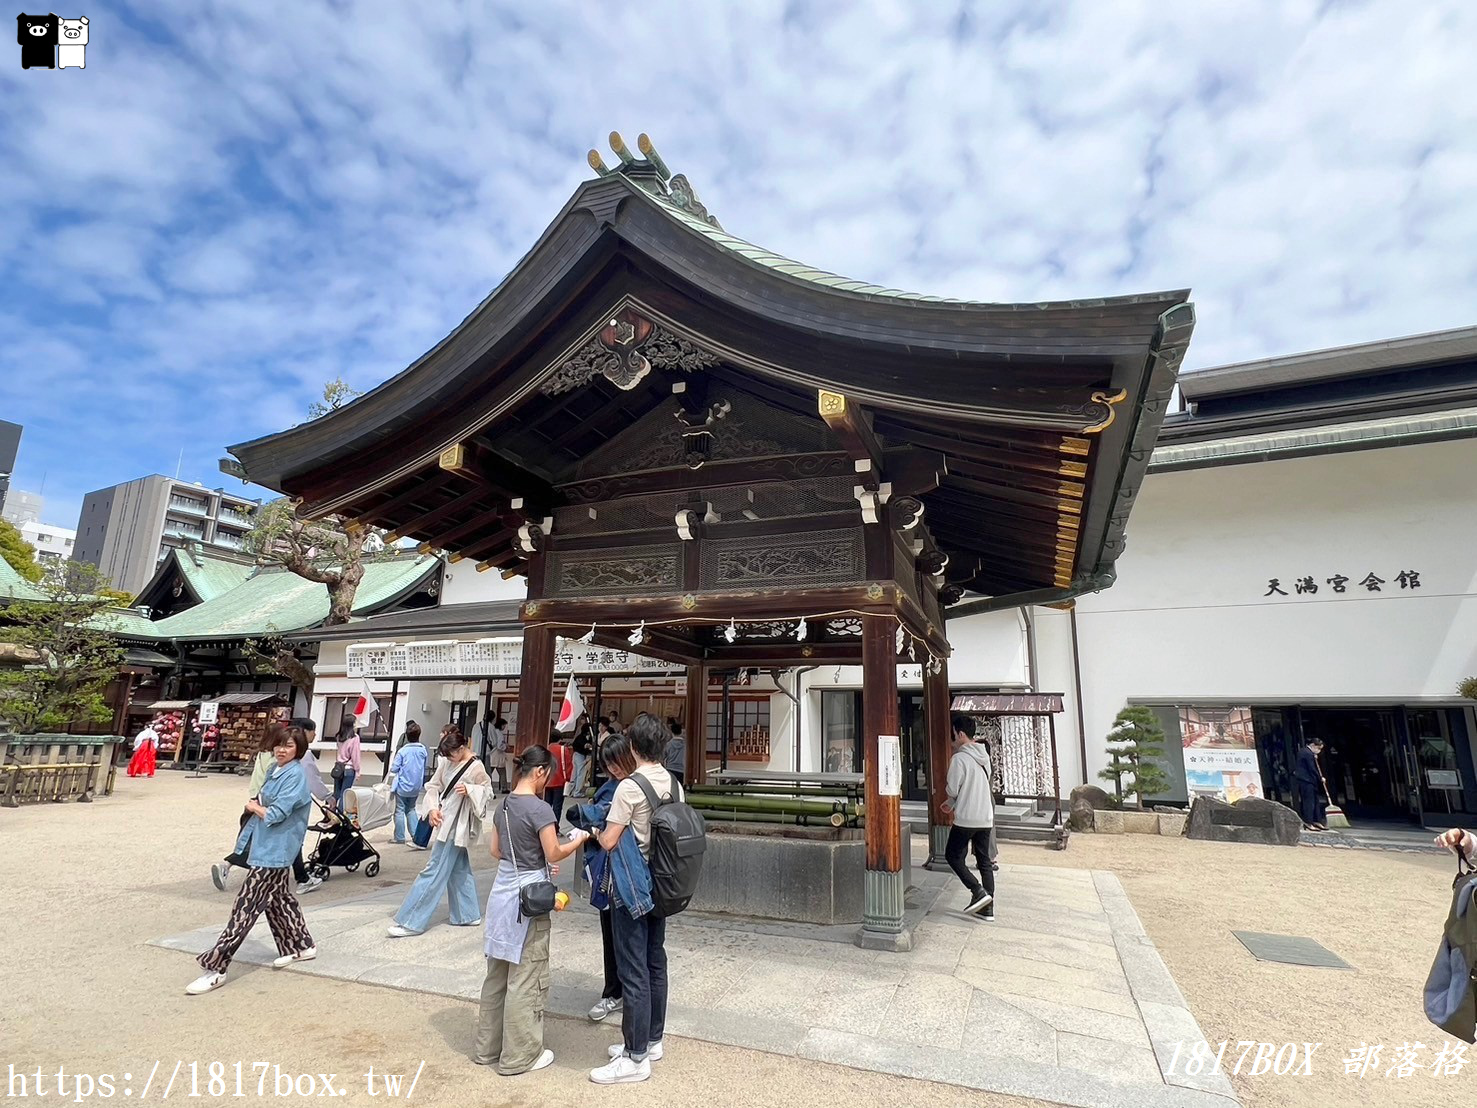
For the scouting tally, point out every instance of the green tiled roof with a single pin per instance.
(211, 577)
(15, 587)
(123, 621)
(275, 600)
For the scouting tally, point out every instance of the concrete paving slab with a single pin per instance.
(1082, 1021)
(1075, 993)
(1072, 1001)
(929, 1009)
(985, 965)
(1129, 1065)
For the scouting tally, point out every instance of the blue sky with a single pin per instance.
(235, 202)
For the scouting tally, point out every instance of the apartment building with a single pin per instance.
(127, 528)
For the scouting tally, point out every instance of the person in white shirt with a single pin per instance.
(145, 748)
(972, 806)
(639, 941)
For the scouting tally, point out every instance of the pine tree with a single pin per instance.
(1134, 743)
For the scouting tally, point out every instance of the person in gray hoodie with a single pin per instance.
(973, 808)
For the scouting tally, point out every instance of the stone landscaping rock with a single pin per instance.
(1107, 821)
(1251, 820)
(1085, 799)
(1140, 823)
(1172, 823)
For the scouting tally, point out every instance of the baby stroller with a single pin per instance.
(343, 843)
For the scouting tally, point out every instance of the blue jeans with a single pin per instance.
(577, 786)
(448, 871)
(406, 821)
(641, 961)
(341, 787)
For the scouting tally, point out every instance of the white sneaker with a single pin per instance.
(310, 884)
(218, 874)
(475, 923)
(398, 932)
(301, 956)
(604, 1006)
(415, 846)
(622, 1071)
(205, 983)
(653, 1051)
(545, 1060)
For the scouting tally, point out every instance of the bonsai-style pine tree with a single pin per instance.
(1134, 742)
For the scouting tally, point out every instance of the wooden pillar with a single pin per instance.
(696, 725)
(535, 688)
(886, 877)
(936, 702)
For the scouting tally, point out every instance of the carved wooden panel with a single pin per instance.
(644, 569)
(819, 557)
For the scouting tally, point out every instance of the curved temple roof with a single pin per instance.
(1044, 414)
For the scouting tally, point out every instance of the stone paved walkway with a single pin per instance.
(1063, 999)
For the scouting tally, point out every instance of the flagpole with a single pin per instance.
(390, 730)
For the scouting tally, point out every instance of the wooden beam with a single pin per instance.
(478, 522)
(996, 474)
(415, 527)
(749, 471)
(712, 606)
(478, 464)
(880, 717)
(936, 711)
(488, 543)
(420, 484)
(850, 424)
(695, 725)
(666, 646)
(1041, 457)
(535, 688)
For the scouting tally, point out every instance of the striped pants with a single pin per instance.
(264, 891)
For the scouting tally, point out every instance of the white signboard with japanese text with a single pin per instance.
(209, 711)
(889, 765)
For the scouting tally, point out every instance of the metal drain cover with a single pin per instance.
(1294, 950)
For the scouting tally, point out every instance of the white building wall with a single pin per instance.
(1188, 619)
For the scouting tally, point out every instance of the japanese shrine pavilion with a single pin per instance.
(700, 450)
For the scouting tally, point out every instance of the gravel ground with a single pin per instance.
(88, 885)
(1380, 911)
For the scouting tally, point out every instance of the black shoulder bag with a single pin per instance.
(537, 897)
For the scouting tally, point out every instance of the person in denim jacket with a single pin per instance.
(618, 761)
(273, 836)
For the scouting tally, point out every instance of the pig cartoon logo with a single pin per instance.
(37, 35)
(71, 50)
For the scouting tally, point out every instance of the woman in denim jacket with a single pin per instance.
(274, 836)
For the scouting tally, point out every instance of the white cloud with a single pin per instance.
(204, 228)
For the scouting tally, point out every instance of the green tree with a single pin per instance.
(19, 553)
(1134, 743)
(330, 551)
(63, 655)
(336, 394)
(1467, 687)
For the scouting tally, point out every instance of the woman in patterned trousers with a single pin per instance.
(273, 836)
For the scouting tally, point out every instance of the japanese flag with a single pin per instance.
(365, 707)
(572, 708)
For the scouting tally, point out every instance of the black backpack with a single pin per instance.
(678, 839)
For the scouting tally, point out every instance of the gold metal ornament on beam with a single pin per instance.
(1112, 401)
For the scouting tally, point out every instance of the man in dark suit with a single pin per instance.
(1308, 775)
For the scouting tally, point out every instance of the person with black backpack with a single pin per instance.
(648, 805)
